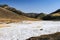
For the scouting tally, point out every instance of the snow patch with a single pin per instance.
(26, 29)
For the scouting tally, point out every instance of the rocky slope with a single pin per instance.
(55, 36)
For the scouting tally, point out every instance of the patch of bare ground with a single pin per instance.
(4, 25)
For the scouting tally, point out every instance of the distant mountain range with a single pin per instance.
(7, 12)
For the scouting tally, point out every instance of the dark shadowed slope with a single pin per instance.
(53, 16)
(55, 36)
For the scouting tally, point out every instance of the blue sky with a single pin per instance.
(35, 6)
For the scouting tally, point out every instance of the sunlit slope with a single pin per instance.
(56, 14)
(6, 15)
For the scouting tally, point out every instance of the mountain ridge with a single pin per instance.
(9, 16)
(40, 16)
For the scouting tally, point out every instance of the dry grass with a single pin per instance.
(56, 14)
(9, 16)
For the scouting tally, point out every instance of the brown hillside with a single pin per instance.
(55, 13)
(9, 16)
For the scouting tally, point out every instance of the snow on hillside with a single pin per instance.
(26, 29)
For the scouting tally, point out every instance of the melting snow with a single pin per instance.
(26, 29)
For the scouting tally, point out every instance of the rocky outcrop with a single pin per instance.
(55, 36)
